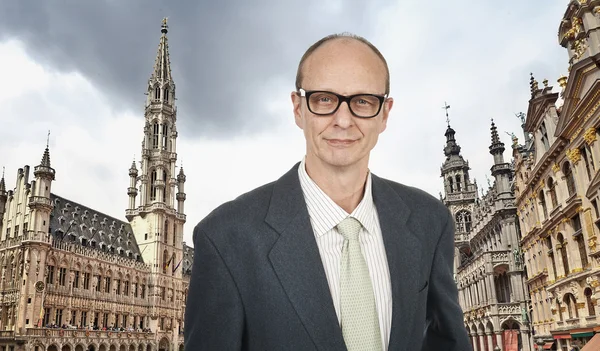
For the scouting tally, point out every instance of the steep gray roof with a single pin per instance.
(72, 222)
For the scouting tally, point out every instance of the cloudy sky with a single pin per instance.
(80, 68)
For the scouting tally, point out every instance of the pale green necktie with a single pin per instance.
(360, 324)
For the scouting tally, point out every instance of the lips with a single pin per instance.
(340, 142)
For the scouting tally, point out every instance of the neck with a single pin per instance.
(344, 185)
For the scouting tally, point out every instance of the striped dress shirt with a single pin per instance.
(325, 215)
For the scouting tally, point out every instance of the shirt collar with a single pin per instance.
(325, 214)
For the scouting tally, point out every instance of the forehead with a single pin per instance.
(345, 66)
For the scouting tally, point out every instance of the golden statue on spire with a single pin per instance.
(164, 21)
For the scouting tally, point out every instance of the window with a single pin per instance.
(62, 274)
(98, 280)
(143, 293)
(73, 320)
(107, 285)
(165, 190)
(458, 182)
(588, 299)
(155, 130)
(463, 221)
(118, 286)
(166, 232)
(167, 94)
(105, 320)
(153, 185)
(50, 276)
(156, 93)
(570, 178)
(571, 306)
(165, 130)
(552, 191)
(86, 280)
(135, 289)
(46, 316)
(551, 255)
(543, 204)
(563, 252)
(76, 280)
(17, 233)
(126, 288)
(451, 184)
(544, 136)
(83, 319)
(586, 155)
(58, 317)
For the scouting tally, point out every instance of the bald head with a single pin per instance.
(341, 39)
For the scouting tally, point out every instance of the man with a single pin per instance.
(330, 256)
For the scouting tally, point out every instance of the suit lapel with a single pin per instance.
(297, 263)
(403, 251)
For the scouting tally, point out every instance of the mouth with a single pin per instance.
(340, 142)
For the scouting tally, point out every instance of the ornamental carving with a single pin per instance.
(590, 135)
(579, 47)
(597, 11)
(592, 243)
(576, 28)
(555, 168)
(574, 155)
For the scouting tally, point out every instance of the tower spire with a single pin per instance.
(2, 185)
(447, 107)
(46, 157)
(162, 64)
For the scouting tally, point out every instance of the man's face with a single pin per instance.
(346, 67)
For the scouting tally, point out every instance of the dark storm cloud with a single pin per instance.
(222, 52)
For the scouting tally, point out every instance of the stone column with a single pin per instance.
(490, 341)
(527, 342)
(475, 341)
(499, 339)
(492, 288)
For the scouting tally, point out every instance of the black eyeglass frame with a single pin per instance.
(341, 98)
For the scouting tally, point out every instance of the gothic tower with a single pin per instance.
(156, 220)
(40, 204)
(460, 194)
(3, 198)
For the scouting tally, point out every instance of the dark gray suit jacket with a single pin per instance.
(258, 282)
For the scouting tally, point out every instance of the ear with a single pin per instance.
(387, 107)
(297, 108)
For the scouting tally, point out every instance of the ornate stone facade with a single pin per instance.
(488, 265)
(73, 278)
(557, 184)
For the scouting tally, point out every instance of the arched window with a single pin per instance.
(153, 185)
(164, 195)
(165, 261)
(570, 178)
(571, 306)
(458, 182)
(451, 184)
(543, 203)
(157, 93)
(551, 255)
(563, 253)
(463, 221)
(590, 303)
(155, 129)
(166, 94)
(582, 251)
(166, 230)
(165, 131)
(552, 191)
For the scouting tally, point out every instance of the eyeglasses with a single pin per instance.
(325, 103)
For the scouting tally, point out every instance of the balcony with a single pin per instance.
(82, 333)
(510, 308)
(7, 334)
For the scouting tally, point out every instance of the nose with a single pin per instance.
(343, 116)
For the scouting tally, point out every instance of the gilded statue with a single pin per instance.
(576, 28)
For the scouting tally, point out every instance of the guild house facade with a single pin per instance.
(557, 182)
(73, 278)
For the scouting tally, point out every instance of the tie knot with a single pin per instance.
(349, 228)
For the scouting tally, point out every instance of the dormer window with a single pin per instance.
(544, 136)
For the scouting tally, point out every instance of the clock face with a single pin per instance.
(39, 286)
